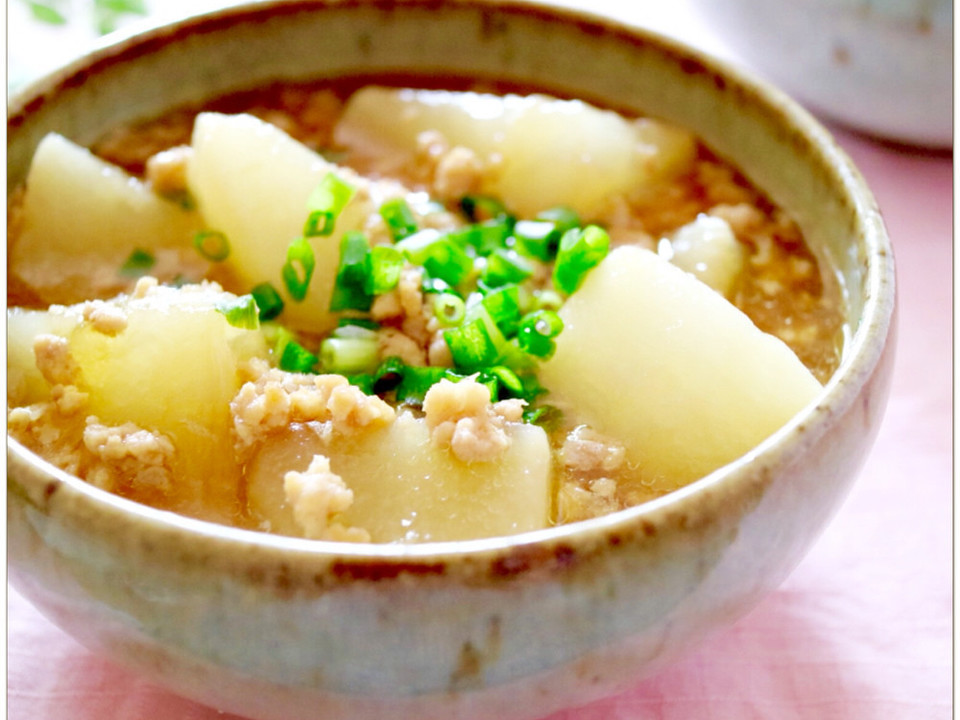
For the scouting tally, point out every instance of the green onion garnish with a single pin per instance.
(399, 218)
(349, 291)
(355, 329)
(348, 356)
(505, 266)
(241, 312)
(439, 256)
(503, 304)
(546, 416)
(537, 330)
(325, 204)
(579, 252)
(294, 357)
(386, 263)
(268, 300)
(482, 207)
(138, 264)
(416, 381)
(299, 255)
(449, 309)
(212, 245)
(471, 346)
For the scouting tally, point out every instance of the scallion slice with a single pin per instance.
(349, 291)
(298, 269)
(482, 207)
(386, 264)
(242, 312)
(212, 245)
(537, 330)
(293, 357)
(439, 256)
(449, 309)
(268, 300)
(348, 356)
(325, 204)
(504, 267)
(138, 264)
(471, 346)
(503, 304)
(416, 381)
(580, 251)
(399, 218)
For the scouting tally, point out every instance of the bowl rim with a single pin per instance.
(557, 544)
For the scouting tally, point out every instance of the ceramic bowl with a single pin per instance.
(884, 67)
(279, 628)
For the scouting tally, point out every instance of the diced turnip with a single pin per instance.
(653, 357)
(252, 182)
(407, 489)
(171, 368)
(82, 218)
(538, 151)
(25, 384)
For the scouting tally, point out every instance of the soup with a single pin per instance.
(399, 313)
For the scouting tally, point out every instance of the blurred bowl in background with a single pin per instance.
(884, 67)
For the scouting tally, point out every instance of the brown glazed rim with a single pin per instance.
(156, 536)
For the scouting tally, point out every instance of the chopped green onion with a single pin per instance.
(212, 245)
(364, 381)
(325, 204)
(503, 304)
(388, 375)
(349, 291)
(491, 235)
(546, 416)
(386, 264)
(438, 255)
(353, 330)
(299, 254)
(564, 218)
(348, 356)
(580, 251)
(471, 346)
(482, 207)
(139, 263)
(241, 312)
(416, 381)
(537, 330)
(399, 218)
(505, 266)
(509, 381)
(294, 357)
(547, 300)
(431, 285)
(449, 309)
(268, 300)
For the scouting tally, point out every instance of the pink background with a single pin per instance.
(862, 630)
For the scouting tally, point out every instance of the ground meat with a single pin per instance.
(577, 501)
(128, 455)
(587, 451)
(316, 496)
(167, 170)
(54, 360)
(463, 418)
(393, 343)
(104, 317)
(274, 399)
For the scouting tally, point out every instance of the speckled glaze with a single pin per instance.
(283, 629)
(884, 67)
